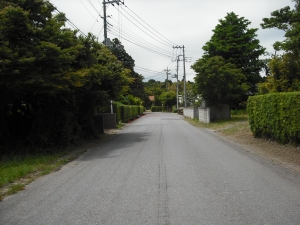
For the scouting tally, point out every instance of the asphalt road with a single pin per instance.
(160, 170)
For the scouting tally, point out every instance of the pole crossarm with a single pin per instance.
(106, 40)
(111, 2)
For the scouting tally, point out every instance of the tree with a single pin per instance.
(137, 86)
(219, 82)
(237, 44)
(51, 79)
(284, 75)
(289, 21)
(284, 69)
(168, 98)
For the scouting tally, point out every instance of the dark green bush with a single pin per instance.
(275, 116)
(158, 109)
(128, 112)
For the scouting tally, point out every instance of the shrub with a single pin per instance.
(275, 116)
(158, 109)
(128, 112)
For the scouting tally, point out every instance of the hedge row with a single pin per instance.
(158, 109)
(128, 112)
(275, 116)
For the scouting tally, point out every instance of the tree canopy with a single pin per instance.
(284, 73)
(51, 79)
(237, 44)
(219, 82)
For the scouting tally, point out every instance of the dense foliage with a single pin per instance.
(130, 112)
(275, 116)
(236, 44)
(51, 80)
(219, 82)
(284, 73)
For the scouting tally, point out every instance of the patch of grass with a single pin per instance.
(18, 170)
(236, 128)
(15, 188)
(14, 168)
(215, 125)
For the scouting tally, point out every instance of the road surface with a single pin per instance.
(160, 170)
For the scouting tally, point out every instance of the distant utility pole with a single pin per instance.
(167, 72)
(177, 80)
(106, 40)
(176, 76)
(184, 76)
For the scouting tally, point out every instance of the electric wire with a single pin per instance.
(141, 41)
(172, 43)
(67, 20)
(143, 30)
(142, 46)
(165, 43)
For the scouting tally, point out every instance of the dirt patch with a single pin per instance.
(239, 132)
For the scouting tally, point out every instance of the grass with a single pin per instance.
(236, 125)
(16, 167)
(15, 188)
(219, 124)
(18, 170)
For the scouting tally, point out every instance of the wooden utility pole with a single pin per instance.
(104, 17)
(167, 72)
(184, 75)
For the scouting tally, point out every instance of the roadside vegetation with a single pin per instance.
(238, 121)
(54, 81)
(16, 171)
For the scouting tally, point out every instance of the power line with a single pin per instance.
(144, 47)
(165, 43)
(141, 41)
(68, 21)
(172, 43)
(143, 30)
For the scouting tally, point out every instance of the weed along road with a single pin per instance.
(160, 170)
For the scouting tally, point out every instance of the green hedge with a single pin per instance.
(158, 109)
(127, 113)
(275, 116)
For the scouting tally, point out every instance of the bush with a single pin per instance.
(275, 116)
(158, 109)
(129, 112)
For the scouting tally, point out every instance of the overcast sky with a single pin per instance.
(158, 25)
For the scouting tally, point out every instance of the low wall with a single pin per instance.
(191, 112)
(224, 113)
(109, 120)
(204, 115)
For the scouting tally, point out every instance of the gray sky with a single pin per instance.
(159, 25)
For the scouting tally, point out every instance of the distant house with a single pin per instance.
(151, 98)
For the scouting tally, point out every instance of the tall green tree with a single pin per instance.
(284, 69)
(237, 44)
(51, 79)
(218, 81)
(137, 88)
(288, 20)
(168, 98)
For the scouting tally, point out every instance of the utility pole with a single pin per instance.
(184, 78)
(177, 80)
(184, 75)
(106, 40)
(167, 71)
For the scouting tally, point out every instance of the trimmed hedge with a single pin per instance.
(275, 116)
(127, 113)
(158, 109)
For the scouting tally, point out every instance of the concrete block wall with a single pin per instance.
(190, 112)
(204, 115)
